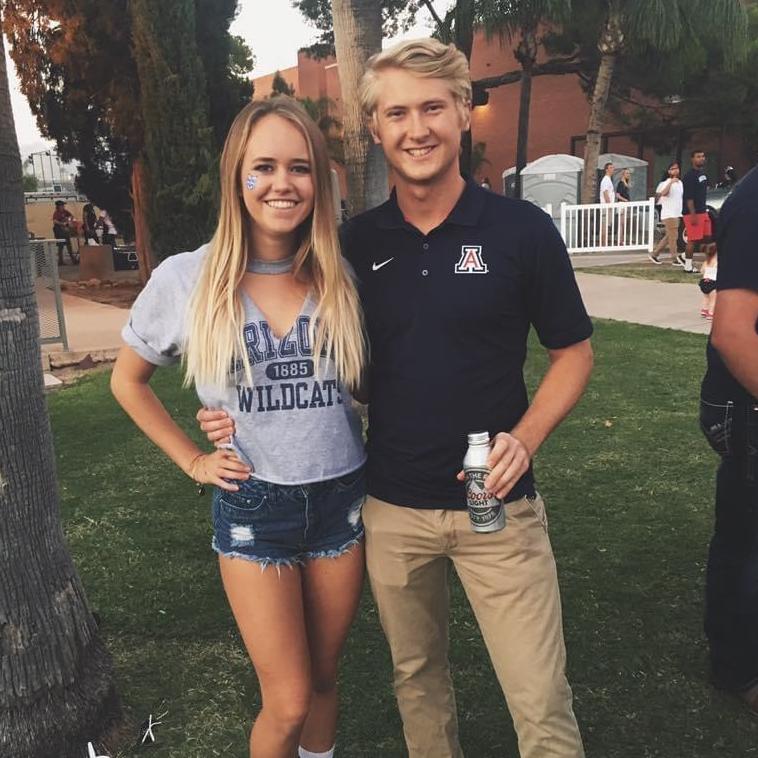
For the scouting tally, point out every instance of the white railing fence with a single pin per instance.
(598, 227)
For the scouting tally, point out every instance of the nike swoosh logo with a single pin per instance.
(376, 266)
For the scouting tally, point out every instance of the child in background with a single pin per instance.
(708, 283)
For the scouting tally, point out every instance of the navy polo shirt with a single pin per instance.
(695, 188)
(447, 315)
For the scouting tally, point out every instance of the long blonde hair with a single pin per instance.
(215, 341)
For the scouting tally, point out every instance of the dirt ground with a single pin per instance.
(120, 290)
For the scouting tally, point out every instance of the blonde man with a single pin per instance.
(451, 277)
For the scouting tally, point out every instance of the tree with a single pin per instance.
(30, 183)
(57, 689)
(321, 111)
(520, 21)
(178, 136)
(77, 69)
(357, 36)
(666, 25)
(279, 86)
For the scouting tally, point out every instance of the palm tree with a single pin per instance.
(665, 25)
(321, 111)
(56, 679)
(521, 20)
(357, 36)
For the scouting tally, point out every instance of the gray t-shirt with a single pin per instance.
(291, 426)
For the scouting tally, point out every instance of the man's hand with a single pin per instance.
(508, 461)
(217, 426)
(217, 467)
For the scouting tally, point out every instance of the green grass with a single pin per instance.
(646, 270)
(629, 487)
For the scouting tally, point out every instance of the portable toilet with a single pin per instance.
(552, 180)
(636, 166)
(509, 182)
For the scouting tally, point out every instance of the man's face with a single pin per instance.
(674, 171)
(608, 170)
(698, 160)
(418, 123)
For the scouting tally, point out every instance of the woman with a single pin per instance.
(669, 193)
(267, 322)
(623, 195)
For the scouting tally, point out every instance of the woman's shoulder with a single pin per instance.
(180, 271)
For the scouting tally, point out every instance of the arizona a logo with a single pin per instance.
(471, 261)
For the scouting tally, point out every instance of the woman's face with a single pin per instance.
(674, 171)
(627, 175)
(276, 178)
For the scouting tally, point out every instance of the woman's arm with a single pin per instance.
(130, 384)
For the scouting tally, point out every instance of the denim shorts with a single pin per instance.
(282, 525)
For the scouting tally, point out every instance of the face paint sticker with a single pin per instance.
(251, 181)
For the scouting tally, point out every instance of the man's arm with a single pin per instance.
(607, 195)
(734, 335)
(559, 391)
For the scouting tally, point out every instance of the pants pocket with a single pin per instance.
(716, 420)
(537, 505)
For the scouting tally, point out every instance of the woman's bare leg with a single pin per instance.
(331, 593)
(268, 607)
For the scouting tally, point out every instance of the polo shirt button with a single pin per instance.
(425, 272)
(425, 245)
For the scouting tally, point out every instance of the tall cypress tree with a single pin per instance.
(178, 134)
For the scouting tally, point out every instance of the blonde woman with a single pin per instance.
(267, 323)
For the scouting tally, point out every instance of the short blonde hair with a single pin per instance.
(426, 57)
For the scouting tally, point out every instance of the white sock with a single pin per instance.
(688, 264)
(303, 753)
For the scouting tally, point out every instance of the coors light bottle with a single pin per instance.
(485, 511)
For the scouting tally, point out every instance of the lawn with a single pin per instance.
(628, 483)
(645, 270)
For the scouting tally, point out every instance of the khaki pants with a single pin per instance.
(510, 580)
(671, 225)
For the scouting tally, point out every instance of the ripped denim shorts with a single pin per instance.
(281, 525)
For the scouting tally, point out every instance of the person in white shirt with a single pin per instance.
(669, 194)
(607, 197)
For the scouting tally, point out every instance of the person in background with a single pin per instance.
(697, 222)
(108, 228)
(729, 180)
(669, 194)
(708, 283)
(607, 198)
(89, 224)
(63, 221)
(729, 420)
(623, 195)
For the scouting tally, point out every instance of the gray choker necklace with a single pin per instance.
(283, 266)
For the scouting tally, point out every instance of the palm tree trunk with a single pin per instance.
(56, 679)
(357, 36)
(595, 126)
(526, 54)
(464, 41)
(141, 228)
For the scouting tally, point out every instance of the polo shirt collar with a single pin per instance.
(466, 212)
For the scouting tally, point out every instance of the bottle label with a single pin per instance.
(483, 509)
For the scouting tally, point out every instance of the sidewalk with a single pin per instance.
(90, 327)
(640, 301)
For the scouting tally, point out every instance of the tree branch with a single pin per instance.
(435, 16)
(554, 67)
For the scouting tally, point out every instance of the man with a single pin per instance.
(608, 198)
(63, 220)
(451, 278)
(729, 419)
(697, 222)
